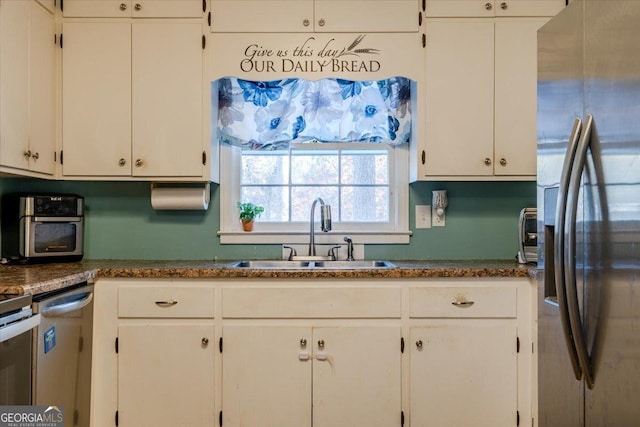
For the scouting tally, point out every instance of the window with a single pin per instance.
(362, 173)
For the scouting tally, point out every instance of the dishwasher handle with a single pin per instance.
(62, 309)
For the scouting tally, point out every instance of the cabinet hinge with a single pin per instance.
(220, 345)
(419, 19)
(116, 418)
(55, 156)
(75, 417)
(401, 418)
(220, 418)
(61, 158)
(62, 5)
(424, 5)
(209, 18)
(61, 40)
(532, 349)
(204, 41)
(117, 346)
(80, 344)
(424, 157)
(204, 158)
(517, 344)
(424, 40)
(401, 344)
(204, 6)
(517, 418)
(55, 39)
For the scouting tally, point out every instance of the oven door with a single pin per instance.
(52, 237)
(15, 361)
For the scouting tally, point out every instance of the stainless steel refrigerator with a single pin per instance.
(589, 216)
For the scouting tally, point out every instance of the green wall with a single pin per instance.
(120, 223)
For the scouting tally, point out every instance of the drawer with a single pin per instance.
(311, 302)
(463, 301)
(166, 301)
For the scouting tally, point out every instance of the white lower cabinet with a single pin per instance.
(165, 353)
(301, 376)
(321, 353)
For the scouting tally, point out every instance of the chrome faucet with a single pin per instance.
(325, 223)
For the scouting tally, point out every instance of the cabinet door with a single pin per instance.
(96, 99)
(166, 374)
(266, 376)
(232, 16)
(463, 373)
(42, 90)
(14, 83)
(458, 97)
(356, 376)
(167, 99)
(516, 94)
(373, 16)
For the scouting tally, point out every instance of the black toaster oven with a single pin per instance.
(42, 227)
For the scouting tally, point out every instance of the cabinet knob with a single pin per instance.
(27, 154)
(419, 343)
(503, 5)
(138, 6)
(205, 342)
(303, 342)
(35, 156)
(321, 343)
(488, 6)
(138, 163)
(487, 161)
(123, 6)
(122, 162)
(306, 22)
(503, 162)
(321, 22)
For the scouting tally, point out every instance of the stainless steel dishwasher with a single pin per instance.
(62, 352)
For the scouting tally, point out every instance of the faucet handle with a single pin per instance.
(292, 253)
(332, 252)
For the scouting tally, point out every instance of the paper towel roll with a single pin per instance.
(180, 198)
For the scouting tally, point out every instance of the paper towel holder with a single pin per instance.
(204, 195)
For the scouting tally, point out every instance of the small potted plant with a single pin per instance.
(248, 213)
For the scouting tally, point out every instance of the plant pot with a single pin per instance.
(247, 225)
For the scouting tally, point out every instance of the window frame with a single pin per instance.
(395, 231)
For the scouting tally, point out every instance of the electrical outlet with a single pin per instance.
(423, 216)
(438, 221)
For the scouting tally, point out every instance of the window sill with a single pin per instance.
(279, 237)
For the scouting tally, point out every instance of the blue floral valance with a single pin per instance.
(268, 115)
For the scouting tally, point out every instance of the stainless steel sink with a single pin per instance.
(353, 265)
(324, 265)
(267, 264)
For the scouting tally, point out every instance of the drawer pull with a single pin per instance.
(169, 303)
(463, 304)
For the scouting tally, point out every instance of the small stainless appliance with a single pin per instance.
(16, 328)
(528, 236)
(62, 352)
(42, 227)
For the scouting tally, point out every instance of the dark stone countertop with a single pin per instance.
(38, 278)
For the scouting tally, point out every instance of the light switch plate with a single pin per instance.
(423, 216)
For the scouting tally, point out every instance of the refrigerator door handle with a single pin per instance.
(560, 247)
(570, 252)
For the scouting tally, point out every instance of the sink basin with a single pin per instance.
(324, 265)
(353, 265)
(266, 264)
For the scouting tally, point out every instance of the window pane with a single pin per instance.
(314, 167)
(275, 201)
(365, 204)
(265, 168)
(302, 198)
(365, 167)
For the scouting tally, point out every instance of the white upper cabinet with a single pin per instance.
(314, 15)
(480, 91)
(133, 8)
(27, 84)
